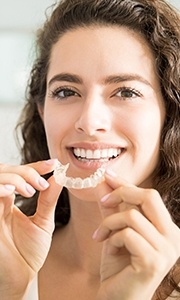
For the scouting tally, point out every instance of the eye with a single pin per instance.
(63, 93)
(127, 93)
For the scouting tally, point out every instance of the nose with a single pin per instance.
(94, 117)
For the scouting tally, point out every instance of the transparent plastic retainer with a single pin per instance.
(77, 183)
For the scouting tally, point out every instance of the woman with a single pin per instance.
(104, 92)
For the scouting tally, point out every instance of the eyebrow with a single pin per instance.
(66, 77)
(108, 80)
(126, 77)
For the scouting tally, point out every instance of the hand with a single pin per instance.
(24, 241)
(140, 242)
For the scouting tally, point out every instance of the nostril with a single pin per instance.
(92, 120)
(90, 129)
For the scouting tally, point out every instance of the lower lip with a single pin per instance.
(92, 165)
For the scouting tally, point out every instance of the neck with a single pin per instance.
(81, 250)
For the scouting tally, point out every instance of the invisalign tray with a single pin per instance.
(77, 183)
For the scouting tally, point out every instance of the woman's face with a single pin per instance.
(103, 103)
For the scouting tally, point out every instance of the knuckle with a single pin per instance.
(152, 194)
(158, 263)
(25, 168)
(161, 266)
(128, 233)
(132, 215)
(154, 264)
(107, 220)
(17, 179)
(172, 253)
(28, 171)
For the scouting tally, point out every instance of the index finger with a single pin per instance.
(41, 167)
(31, 173)
(149, 200)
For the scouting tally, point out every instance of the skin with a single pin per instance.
(116, 233)
(133, 123)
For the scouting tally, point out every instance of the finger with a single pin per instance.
(115, 181)
(142, 254)
(112, 182)
(21, 186)
(27, 178)
(148, 200)
(42, 167)
(6, 190)
(45, 166)
(132, 219)
(7, 198)
(44, 216)
(101, 190)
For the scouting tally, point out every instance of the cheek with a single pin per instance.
(53, 125)
(145, 126)
(55, 120)
(143, 131)
(58, 123)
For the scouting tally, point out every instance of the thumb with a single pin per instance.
(112, 182)
(44, 216)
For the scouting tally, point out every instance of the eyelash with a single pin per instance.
(56, 92)
(133, 93)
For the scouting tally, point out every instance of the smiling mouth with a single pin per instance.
(86, 155)
(102, 155)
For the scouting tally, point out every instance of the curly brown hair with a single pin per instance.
(158, 23)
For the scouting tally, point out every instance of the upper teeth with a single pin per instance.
(96, 154)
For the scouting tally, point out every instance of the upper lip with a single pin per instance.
(95, 146)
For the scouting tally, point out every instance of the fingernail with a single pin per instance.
(111, 173)
(105, 198)
(43, 183)
(9, 187)
(30, 189)
(51, 161)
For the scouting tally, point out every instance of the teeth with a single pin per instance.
(89, 154)
(82, 153)
(96, 154)
(104, 153)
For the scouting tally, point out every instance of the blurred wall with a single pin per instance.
(19, 20)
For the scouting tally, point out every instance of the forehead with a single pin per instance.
(110, 35)
(105, 49)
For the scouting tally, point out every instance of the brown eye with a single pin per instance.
(127, 93)
(63, 93)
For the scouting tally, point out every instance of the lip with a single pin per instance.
(95, 146)
(92, 165)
